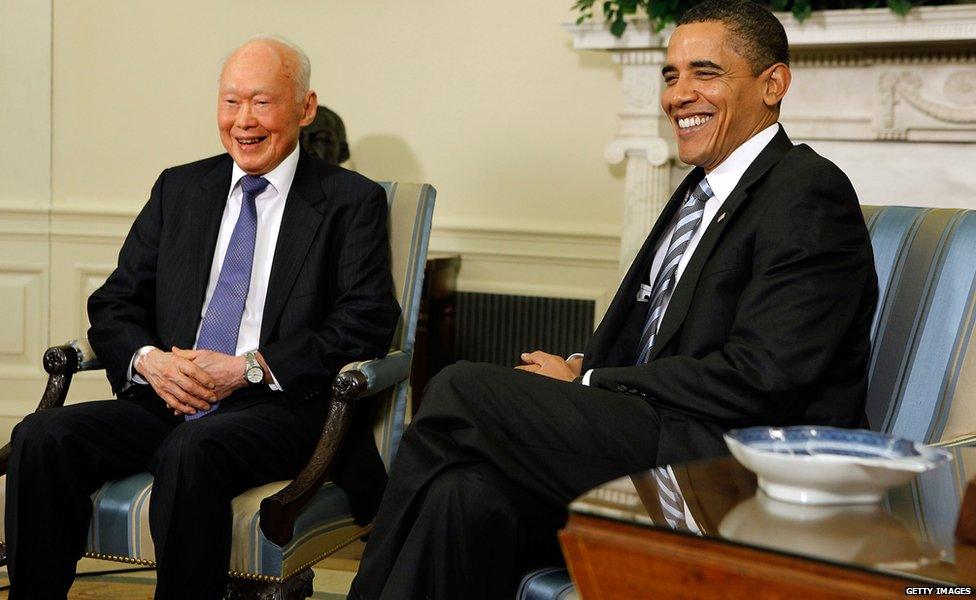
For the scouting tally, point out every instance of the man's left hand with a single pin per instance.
(550, 365)
(227, 371)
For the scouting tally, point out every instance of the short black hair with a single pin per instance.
(755, 34)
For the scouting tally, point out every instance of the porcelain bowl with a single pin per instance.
(829, 465)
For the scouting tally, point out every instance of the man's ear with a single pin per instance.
(777, 80)
(310, 107)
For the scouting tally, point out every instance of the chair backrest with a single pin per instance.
(411, 213)
(922, 378)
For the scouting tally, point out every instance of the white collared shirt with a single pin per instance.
(270, 206)
(722, 180)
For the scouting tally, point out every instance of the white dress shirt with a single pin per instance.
(270, 205)
(722, 180)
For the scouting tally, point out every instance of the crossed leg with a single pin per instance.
(483, 476)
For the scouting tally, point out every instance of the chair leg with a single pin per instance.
(298, 587)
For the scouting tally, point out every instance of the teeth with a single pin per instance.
(693, 121)
(248, 142)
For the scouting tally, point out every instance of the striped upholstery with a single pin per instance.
(922, 377)
(120, 529)
(120, 519)
(923, 359)
(547, 584)
(411, 213)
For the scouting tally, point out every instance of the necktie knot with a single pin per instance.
(253, 186)
(702, 193)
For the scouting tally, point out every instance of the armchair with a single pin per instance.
(280, 529)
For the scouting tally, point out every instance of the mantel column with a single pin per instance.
(641, 142)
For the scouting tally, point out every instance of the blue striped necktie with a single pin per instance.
(670, 498)
(222, 321)
(689, 218)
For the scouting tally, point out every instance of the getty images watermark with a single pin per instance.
(939, 591)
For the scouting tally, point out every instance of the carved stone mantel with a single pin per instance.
(865, 78)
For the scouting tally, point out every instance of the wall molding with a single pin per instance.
(551, 247)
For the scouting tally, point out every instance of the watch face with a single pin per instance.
(255, 375)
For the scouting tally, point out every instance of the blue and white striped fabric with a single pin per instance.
(120, 528)
(411, 215)
(923, 357)
(547, 584)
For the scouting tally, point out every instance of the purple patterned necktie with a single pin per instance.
(222, 321)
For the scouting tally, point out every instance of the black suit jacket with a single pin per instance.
(769, 323)
(330, 296)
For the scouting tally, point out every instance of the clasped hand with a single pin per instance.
(550, 365)
(191, 380)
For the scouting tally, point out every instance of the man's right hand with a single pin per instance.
(183, 386)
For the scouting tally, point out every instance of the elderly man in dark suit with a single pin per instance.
(750, 303)
(244, 285)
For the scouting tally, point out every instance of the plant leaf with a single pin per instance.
(618, 26)
(802, 10)
(900, 6)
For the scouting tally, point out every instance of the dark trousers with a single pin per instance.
(61, 456)
(483, 476)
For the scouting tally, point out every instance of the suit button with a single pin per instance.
(621, 388)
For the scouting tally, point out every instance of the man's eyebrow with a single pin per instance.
(707, 64)
(668, 69)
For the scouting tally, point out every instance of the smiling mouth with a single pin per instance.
(689, 122)
(251, 141)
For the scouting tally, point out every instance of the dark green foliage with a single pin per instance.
(662, 13)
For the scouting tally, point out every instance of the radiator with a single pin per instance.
(496, 328)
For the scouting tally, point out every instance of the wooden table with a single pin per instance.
(434, 345)
(736, 542)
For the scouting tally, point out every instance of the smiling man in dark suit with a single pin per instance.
(247, 281)
(750, 303)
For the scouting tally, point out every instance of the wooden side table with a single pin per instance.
(434, 345)
(736, 542)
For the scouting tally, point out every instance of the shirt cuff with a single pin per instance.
(132, 375)
(578, 355)
(586, 377)
(274, 386)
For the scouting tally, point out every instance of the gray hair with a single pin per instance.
(301, 78)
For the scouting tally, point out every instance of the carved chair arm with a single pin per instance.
(357, 380)
(61, 363)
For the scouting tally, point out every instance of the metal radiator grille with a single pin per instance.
(496, 328)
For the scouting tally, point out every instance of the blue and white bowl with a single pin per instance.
(829, 465)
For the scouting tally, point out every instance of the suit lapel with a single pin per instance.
(608, 333)
(206, 208)
(685, 290)
(299, 224)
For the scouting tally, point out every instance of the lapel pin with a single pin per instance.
(720, 217)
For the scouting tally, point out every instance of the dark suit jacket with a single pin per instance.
(330, 295)
(769, 323)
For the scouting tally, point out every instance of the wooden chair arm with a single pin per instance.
(61, 363)
(278, 512)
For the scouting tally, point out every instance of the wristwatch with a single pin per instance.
(253, 373)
